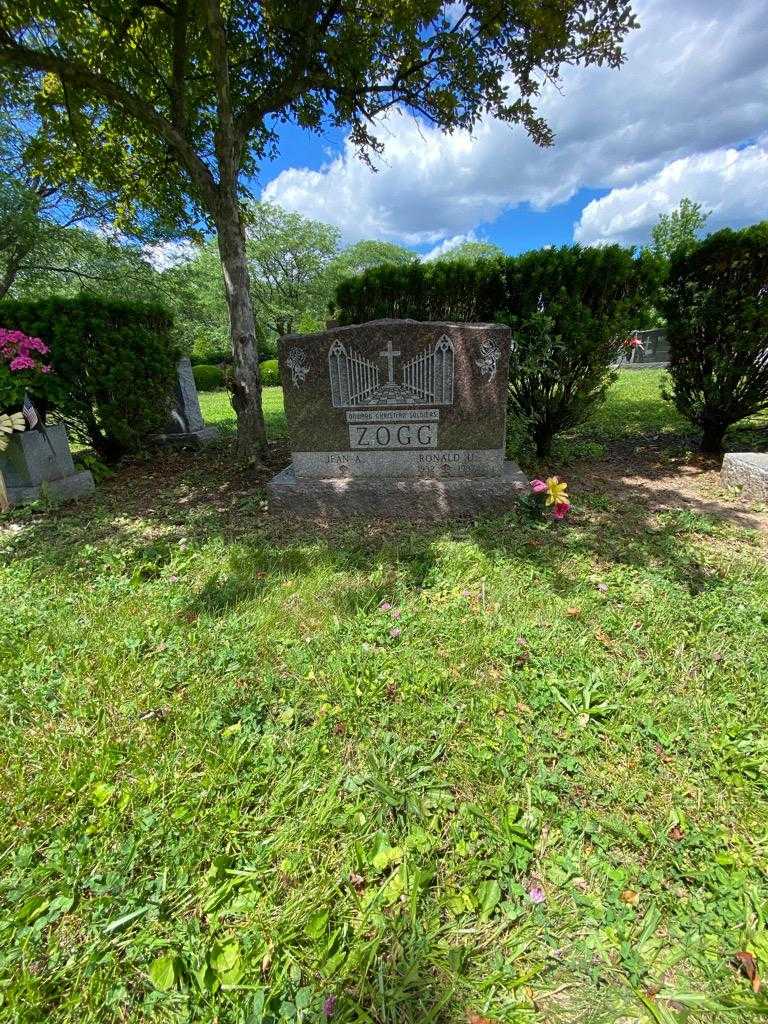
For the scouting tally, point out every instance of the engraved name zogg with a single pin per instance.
(393, 436)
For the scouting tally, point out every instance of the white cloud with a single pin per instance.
(695, 82)
(731, 183)
(447, 244)
(163, 255)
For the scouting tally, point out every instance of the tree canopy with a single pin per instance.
(471, 252)
(679, 230)
(295, 265)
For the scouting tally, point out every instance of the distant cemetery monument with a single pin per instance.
(185, 425)
(397, 418)
(651, 353)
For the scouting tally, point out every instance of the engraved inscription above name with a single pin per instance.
(393, 436)
(393, 416)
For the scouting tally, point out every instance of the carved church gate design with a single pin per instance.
(427, 379)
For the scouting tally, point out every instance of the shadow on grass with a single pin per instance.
(138, 519)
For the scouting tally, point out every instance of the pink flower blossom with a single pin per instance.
(329, 1006)
(538, 486)
(536, 894)
(561, 509)
(21, 363)
(385, 606)
(395, 633)
(36, 345)
(18, 351)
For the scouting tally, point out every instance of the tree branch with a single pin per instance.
(81, 77)
(178, 105)
(227, 145)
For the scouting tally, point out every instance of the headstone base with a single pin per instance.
(193, 439)
(749, 470)
(66, 489)
(371, 498)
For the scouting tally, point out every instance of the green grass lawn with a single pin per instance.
(496, 772)
(217, 408)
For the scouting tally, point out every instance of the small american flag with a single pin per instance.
(29, 412)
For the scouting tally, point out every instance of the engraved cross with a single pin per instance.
(389, 355)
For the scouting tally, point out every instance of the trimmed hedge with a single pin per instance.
(208, 378)
(455, 291)
(716, 304)
(115, 363)
(212, 357)
(270, 373)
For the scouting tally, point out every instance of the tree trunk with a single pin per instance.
(712, 438)
(246, 397)
(8, 278)
(543, 435)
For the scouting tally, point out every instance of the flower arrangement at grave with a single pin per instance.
(25, 372)
(632, 345)
(552, 494)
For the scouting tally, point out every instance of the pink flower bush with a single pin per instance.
(21, 352)
(22, 363)
(25, 371)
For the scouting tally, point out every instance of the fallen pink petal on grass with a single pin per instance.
(536, 894)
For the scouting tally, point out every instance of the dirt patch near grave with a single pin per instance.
(663, 478)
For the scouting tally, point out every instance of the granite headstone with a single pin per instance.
(38, 464)
(651, 353)
(186, 425)
(397, 417)
(749, 471)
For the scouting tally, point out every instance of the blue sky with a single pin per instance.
(686, 115)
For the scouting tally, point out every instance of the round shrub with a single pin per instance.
(270, 373)
(716, 305)
(207, 377)
(569, 309)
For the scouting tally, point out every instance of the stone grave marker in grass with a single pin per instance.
(397, 418)
(38, 464)
(186, 425)
(748, 470)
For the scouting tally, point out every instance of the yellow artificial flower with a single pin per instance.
(556, 492)
(8, 424)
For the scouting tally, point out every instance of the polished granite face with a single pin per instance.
(397, 398)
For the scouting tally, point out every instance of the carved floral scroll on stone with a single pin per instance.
(297, 364)
(489, 360)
